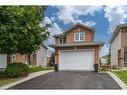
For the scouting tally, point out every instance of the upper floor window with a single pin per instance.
(79, 36)
(62, 40)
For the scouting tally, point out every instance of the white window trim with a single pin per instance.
(79, 36)
(62, 40)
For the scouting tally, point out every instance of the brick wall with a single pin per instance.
(88, 34)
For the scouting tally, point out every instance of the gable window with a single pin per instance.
(125, 56)
(79, 36)
(62, 40)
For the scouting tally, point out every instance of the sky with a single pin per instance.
(103, 19)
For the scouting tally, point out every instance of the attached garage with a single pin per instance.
(76, 60)
(3, 61)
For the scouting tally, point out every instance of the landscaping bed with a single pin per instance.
(122, 74)
(5, 80)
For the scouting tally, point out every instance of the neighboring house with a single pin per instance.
(75, 48)
(39, 58)
(104, 60)
(118, 46)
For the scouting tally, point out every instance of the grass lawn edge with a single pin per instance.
(118, 80)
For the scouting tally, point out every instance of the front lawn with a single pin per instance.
(122, 74)
(39, 68)
(4, 80)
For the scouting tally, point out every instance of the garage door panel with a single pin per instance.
(76, 60)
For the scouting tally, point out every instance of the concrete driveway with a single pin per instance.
(70, 80)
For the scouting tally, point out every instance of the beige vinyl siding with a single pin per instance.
(115, 46)
(42, 57)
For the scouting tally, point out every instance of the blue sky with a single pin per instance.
(103, 18)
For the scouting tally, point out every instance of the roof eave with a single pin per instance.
(100, 45)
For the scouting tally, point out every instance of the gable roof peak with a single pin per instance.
(73, 26)
(117, 30)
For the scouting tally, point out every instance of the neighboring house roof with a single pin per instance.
(62, 34)
(44, 46)
(117, 31)
(81, 44)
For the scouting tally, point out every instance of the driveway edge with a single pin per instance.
(30, 76)
(120, 83)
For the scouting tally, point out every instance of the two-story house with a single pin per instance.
(75, 48)
(118, 46)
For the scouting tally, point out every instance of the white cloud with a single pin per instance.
(45, 21)
(70, 14)
(104, 50)
(53, 29)
(115, 15)
(90, 23)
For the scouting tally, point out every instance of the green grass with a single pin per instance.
(39, 68)
(122, 75)
(4, 80)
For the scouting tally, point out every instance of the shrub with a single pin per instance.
(16, 69)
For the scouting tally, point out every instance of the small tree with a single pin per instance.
(19, 29)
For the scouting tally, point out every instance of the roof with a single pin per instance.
(81, 44)
(44, 46)
(117, 31)
(62, 34)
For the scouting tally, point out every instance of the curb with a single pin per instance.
(30, 76)
(120, 83)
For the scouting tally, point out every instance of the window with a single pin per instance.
(34, 56)
(125, 56)
(62, 40)
(79, 36)
(14, 57)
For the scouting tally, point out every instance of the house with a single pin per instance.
(104, 60)
(118, 46)
(38, 59)
(75, 48)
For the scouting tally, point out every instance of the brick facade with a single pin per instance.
(123, 44)
(121, 55)
(88, 34)
(69, 35)
(22, 58)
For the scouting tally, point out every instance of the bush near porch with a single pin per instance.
(16, 69)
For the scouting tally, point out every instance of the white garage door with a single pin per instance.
(76, 60)
(3, 61)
